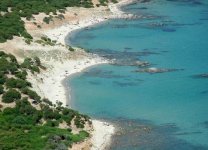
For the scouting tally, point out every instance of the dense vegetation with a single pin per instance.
(11, 12)
(11, 25)
(32, 123)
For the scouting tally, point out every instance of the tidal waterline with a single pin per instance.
(155, 111)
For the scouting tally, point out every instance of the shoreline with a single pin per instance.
(50, 83)
(60, 33)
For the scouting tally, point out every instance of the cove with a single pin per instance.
(162, 111)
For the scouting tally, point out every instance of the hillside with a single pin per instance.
(36, 122)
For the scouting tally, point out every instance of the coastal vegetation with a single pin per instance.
(11, 13)
(105, 2)
(46, 41)
(28, 121)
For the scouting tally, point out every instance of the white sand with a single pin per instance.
(49, 84)
(101, 135)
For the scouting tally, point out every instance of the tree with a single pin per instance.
(10, 96)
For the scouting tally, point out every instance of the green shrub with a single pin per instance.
(17, 83)
(47, 102)
(12, 58)
(78, 122)
(6, 66)
(114, 1)
(37, 61)
(31, 64)
(37, 116)
(69, 129)
(47, 19)
(24, 107)
(27, 63)
(35, 69)
(65, 111)
(1, 89)
(19, 120)
(9, 111)
(10, 96)
(2, 78)
(52, 123)
(31, 94)
(71, 49)
(2, 54)
(21, 75)
(49, 113)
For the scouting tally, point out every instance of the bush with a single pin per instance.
(52, 123)
(37, 117)
(2, 54)
(24, 107)
(6, 66)
(49, 113)
(19, 120)
(78, 122)
(65, 111)
(10, 96)
(47, 19)
(27, 63)
(9, 111)
(12, 58)
(47, 102)
(71, 49)
(35, 69)
(21, 75)
(2, 78)
(31, 64)
(37, 61)
(17, 83)
(69, 129)
(31, 94)
(1, 89)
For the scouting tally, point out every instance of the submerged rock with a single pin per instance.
(204, 75)
(156, 70)
(141, 63)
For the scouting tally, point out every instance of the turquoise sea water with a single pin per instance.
(163, 111)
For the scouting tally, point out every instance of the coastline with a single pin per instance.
(50, 82)
(60, 33)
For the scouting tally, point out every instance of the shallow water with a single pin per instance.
(166, 111)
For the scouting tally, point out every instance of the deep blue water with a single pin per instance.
(162, 111)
